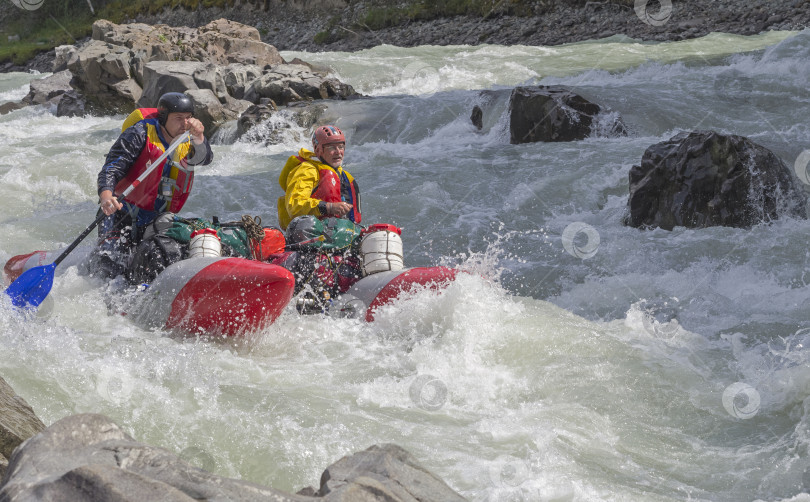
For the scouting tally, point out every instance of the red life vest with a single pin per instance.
(328, 189)
(170, 182)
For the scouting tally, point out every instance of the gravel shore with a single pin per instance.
(290, 28)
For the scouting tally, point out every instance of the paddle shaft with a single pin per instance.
(78, 240)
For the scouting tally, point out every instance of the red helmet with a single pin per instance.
(326, 135)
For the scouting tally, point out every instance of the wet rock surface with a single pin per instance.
(17, 423)
(555, 113)
(88, 457)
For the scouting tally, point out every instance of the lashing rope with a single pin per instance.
(255, 232)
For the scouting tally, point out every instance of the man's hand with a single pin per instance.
(196, 128)
(338, 209)
(108, 203)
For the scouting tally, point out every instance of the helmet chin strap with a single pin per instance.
(168, 135)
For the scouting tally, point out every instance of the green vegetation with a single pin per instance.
(322, 37)
(60, 22)
(328, 35)
(41, 34)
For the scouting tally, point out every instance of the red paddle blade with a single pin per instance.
(16, 265)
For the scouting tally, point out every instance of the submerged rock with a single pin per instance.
(554, 113)
(10, 107)
(477, 117)
(703, 179)
(254, 115)
(88, 457)
(257, 124)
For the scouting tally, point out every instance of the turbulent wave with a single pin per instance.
(577, 360)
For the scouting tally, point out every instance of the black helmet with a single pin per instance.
(172, 102)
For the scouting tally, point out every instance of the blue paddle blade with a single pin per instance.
(32, 286)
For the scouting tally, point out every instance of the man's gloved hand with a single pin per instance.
(338, 209)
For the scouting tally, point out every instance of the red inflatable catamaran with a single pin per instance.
(234, 296)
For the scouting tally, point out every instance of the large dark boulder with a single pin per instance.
(89, 458)
(703, 179)
(17, 423)
(554, 113)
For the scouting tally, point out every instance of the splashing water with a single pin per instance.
(578, 360)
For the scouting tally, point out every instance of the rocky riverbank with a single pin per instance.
(342, 26)
(223, 67)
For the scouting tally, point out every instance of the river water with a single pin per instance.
(580, 360)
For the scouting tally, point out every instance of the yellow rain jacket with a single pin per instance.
(300, 178)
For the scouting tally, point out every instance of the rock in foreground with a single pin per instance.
(89, 458)
(17, 423)
(386, 472)
(703, 179)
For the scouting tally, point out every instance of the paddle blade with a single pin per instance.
(32, 286)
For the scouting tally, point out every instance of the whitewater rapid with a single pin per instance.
(579, 360)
